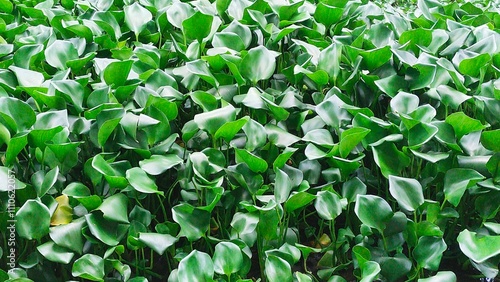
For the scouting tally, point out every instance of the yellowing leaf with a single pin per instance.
(63, 213)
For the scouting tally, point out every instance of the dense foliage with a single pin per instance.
(338, 140)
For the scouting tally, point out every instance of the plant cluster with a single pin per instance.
(232, 140)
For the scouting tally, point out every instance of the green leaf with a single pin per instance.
(116, 73)
(194, 222)
(6, 6)
(394, 268)
(489, 139)
(141, 182)
(229, 40)
(407, 191)
(158, 164)
(59, 53)
(350, 138)
(89, 267)
(49, 180)
(16, 145)
(319, 136)
(40, 137)
(477, 247)
(10, 109)
(69, 235)
(157, 242)
(332, 112)
(404, 103)
(141, 215)
(33, 211)
(72, 91)
(432, 157)
(255, 163)
(5, 184)
(451, 97)
(108, 232)
(55, 253)
(472, 66)
(375, 58)
(244, 223)
(440, 276)
(227, 258)
(429, 251)
(137, 17)
(213, 120)
(280, 137)
(301, 277)
(391, 85)
(314, 152)
(197, 26)
(418, 37)
(328, 205)
(258, 64)
(112, 172)
(282, 186)
(298, 200)
(373, 211)
(328, 15)
(370, 271)
(27, 78)
(390, 160)
(196, 267)
(114, 208)
(352, 188)
(329, 59)
(207, 101)
(200, 68)
(457, 180)
(230, 129)
(277, 269)
(463, 124)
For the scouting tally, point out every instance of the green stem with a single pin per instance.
(162, 207)
(260, 253)
(334, 239)
(385, 241)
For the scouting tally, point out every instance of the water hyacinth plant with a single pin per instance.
(238, 140)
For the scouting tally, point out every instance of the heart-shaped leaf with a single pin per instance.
(213, 120)
(196, 267)
(69, 235)
(158, 164)
(115, 208)
(157, 242)
(328, 205)
(137, 17)
(277, 269)
(197, 26)
(258, 64)
(55, 253)
(141, 182)
(457, 180)
(478, 247)
(429, 251)
(89, 267)
(407, 191)
(194, 222)
(227, 258)
(373, 211)
(33, 211)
